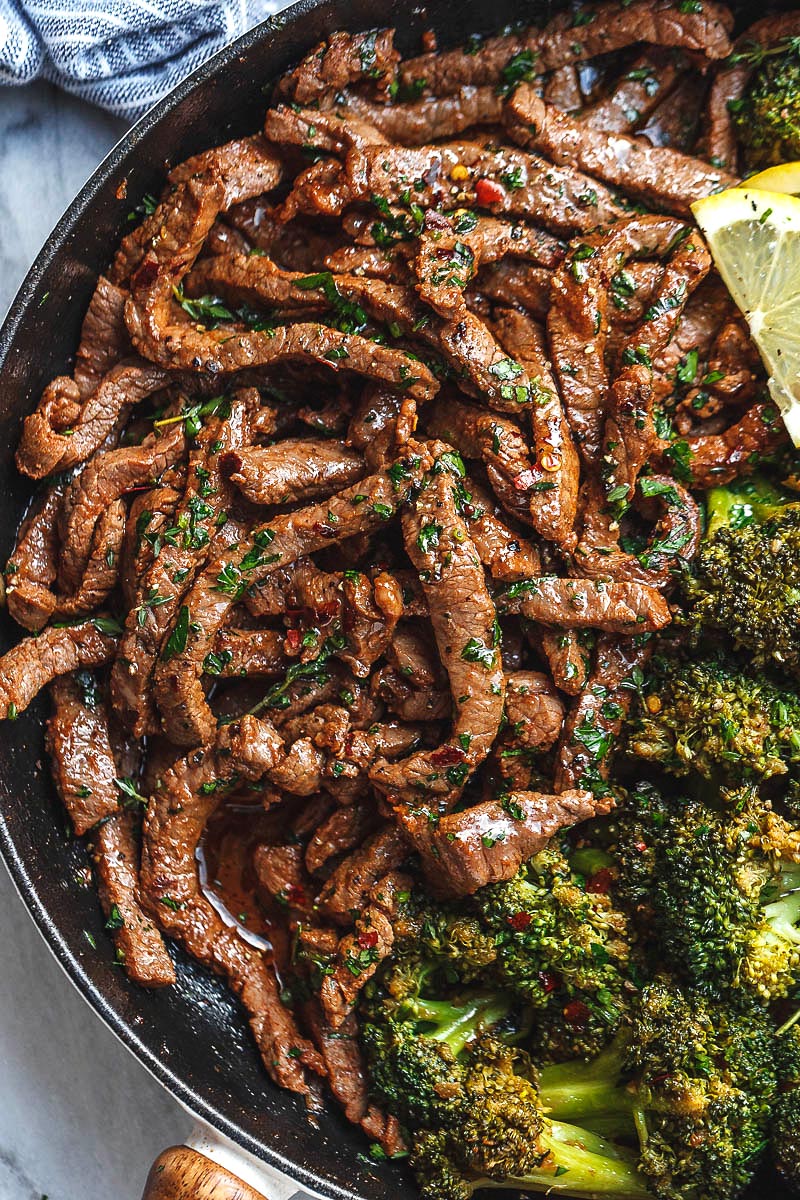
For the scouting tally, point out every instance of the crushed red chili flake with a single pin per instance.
(600, 882)
(294, 894)
(294, 639)
(367, 940)
(576, 1013)
(550, 981)
(520, 921)
(487, 191)
(447, 756)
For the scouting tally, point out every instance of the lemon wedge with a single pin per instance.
(754, 237)
(784, 178)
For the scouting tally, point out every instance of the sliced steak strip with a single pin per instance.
(183, 548)
(64, 431)
(101, 482)
(623, 608)
(347, 1076)
(552, 489)
(140, 946)
(635, 95)
(36, 661)
(593, 724)
(344, 895)
(658, 175)
(534, 710)
(413, 124)
(101, 570)
(104, 338)
(341, 832)
(439, 544)
(466, 343)
(715, 459)
(321, 132)
(506, 554)
(361, 509)
(175, 820)
(246, 167)
(465, 851)
(558, 197)
(495, 441)
(615, 26)
(578, 319)
(240, 653)
(32, 568)
(80, 751)
(359, 954)
(85, 771)
(342, 60)
(292, 470)
(568, 660)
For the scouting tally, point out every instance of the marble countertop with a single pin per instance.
(79, 1117)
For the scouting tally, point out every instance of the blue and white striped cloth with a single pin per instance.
(123, 55)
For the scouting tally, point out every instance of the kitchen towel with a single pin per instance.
(123, 55)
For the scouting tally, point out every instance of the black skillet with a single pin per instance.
(192, 1037)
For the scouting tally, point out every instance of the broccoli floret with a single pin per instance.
(718, 890)
(563, 947)
(713, 718)
(767, 118)
(743, 584)
(785, 1126)
(694, 1079)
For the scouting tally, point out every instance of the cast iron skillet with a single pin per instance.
(192, 1036)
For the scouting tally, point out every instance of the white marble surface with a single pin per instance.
(79, 1118)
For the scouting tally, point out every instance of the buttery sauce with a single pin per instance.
(225, 866)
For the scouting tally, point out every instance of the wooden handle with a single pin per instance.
(183, 1174)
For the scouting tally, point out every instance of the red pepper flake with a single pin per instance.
(600, 882)
(576, 1013)
(550, 981)
(294, 894)
(447, 756)
(367, 940)
(323, 530)
(520, 921)
(640, 846)
(294, 639)
(489, 192)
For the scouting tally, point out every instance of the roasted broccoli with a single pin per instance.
(743, 585)
(470, 1102)
(718, 889)
(564, 948)
(695, 1080)
(712, 717)
(767, 117)
(785, 1125)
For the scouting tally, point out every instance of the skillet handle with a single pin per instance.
(182, 1173)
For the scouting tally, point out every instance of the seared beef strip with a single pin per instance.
(292, 470)
(85, 774)
(344, 59)
(65, 430)
(622, 608)
(657, 175)
(438, 542)
(104, 338)
(344, 895)
(534, 710)
(32, 568)
(488, 843)
(413, 124)
(35, 661)
(614, 26)
(637, 93)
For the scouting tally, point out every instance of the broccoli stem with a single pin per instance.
(580, 1164)
(458, 1024)
(590, 1091)
(744, 502)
